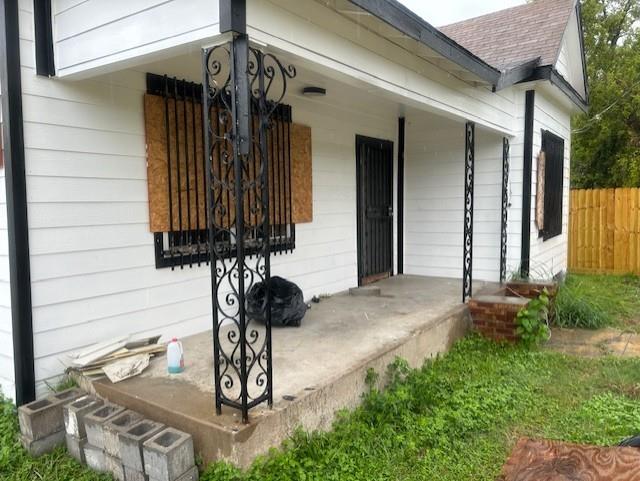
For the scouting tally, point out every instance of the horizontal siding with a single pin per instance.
(549, 257)
(7, 373)
(92, 33)
(434, 202)
(93, 267)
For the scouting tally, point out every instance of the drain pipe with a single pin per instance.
(17, 226)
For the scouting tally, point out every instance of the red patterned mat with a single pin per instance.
(534, 460)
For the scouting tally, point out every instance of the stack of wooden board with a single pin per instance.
(91, 361)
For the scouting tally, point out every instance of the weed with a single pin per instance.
(593, 302)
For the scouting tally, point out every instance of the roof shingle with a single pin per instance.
(510, 37)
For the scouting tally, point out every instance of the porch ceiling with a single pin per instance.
(341, 89)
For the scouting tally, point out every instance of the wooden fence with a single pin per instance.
(604, 231)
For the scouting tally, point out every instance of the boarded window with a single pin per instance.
(553, 154)
(178, 216)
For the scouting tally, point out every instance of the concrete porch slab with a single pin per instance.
(318, 368)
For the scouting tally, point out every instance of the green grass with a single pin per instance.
(596, 301)
(455, 419)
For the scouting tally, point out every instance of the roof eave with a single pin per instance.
(517, 74)
(410, 24)
(548, 72)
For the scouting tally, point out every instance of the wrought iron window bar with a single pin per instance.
(185, 244)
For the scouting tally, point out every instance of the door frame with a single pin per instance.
(363, 139)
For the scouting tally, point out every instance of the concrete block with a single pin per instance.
(75, 447)
(38, 447)
(94, 422)
(114, 466)
(114, 426)
(131, 443)
(95, 458)
(134, 475)
(191, 475)
(168, 455)
(75, 412)
(44, 417)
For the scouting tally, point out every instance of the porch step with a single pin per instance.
(365, 291)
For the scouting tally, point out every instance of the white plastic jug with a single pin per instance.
(175, 357)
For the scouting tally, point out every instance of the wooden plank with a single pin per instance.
(602, 233)
(611, 229)
(572, 229)
(188, 201)
(302, 177)
(633, 236)
(588, 248)
(581, 232)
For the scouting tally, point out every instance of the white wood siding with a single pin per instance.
(434, 202)
(569, 63)
(7, 373)
(93, 272)
(549, 257)
(91, 34)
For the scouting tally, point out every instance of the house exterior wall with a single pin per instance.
(93, 267)
(90, 34)
(569, 63)
(549, 257)
(434, 201)
(7, 376)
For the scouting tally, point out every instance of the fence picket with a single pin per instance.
(604, 230)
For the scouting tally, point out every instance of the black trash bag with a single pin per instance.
(287, 303)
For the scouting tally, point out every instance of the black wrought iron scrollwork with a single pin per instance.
(505, 208)
(467, 255)
(243, 86)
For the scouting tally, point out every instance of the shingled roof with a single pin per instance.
(510, 37)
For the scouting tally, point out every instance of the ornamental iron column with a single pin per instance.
(505, 208)
(242, 87)
(467, 255)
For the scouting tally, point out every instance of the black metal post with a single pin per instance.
(400, 218)
(525, 240)
(467, 255)
(16, 189)
(505, 208)
(237, 83)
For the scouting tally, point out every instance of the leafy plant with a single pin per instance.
(533, 321)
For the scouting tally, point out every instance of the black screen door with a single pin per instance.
(374, 160)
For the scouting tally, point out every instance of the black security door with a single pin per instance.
(374, 159)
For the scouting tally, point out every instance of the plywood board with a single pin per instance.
(301, 158)
(184, 181)
(176, 175)
(540, 179)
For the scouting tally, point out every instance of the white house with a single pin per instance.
(445, 125)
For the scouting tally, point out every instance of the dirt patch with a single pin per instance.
(533, 460)
(582, 342)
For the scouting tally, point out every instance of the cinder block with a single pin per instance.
(42, 418)
(114, 426)
(44, 445)
(131, 443)
(75, 447)
(191, 475)
(114, 466)
(75, 412)
(168, 455)
(134, 475)
(95, 458)
(94, 423)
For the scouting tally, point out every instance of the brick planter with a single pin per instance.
(530, 290)
(495, 316)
